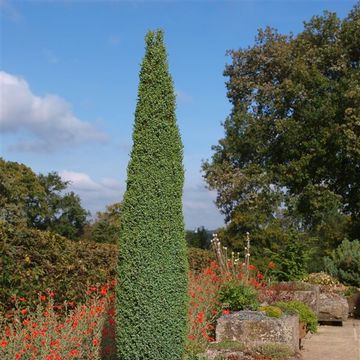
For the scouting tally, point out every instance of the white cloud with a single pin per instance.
(198, 202)
(95, 194)
(79, 181)
(48, 119)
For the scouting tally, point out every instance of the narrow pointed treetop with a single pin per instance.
(152, 269)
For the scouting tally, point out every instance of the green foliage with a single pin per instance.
(320, 278)
(289, 158)
(227, 345)
(39, 201)
(152, 268)
(344, 263)
(291, 262)
(199, 259)
(275, 351)
(271, 311)
(106, 227)
(22, 196)
(200, 238)
(306, 315)
(235, 295)
(33, 261)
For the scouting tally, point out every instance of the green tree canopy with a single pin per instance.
(39, 201)
(291, 150)
(106, 227)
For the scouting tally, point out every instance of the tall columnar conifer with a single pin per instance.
(152, 268)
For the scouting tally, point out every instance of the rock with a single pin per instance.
(354, 304)
(310, 296)
(254, 328)
(213, 354)
(333, 307)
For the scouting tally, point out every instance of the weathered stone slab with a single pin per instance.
(354, 304)
(254, 328)
(333, 307)
(310, 296)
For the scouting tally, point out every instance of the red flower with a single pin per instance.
(96, 342)
(260, 276)
(251, 267)
(42, 297)
(22, 299)
(51, 294)
(74, 353)
(55, 343)
(226, 312)
(200, 317)
(23, 311)
(3, 343)
(18, 356)
(103, 291)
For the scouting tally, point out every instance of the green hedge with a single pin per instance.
(32, 261)
(199, 258)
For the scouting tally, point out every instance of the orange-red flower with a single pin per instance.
(3, 343)
(200, 317)
(103, 290)
(74, 353)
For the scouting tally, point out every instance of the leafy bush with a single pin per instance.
(235, 295)
(344, 263)
(275, 351)
(43, 334)
(199, 259)
(227, 345)
(306, 315)
(271, 311)
(320, 278)
(291, 261)
(33, 261)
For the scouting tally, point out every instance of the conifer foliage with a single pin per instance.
(152, 267)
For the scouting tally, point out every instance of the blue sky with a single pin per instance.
(69, 77)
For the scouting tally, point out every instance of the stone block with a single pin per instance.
(310, 296)
(333, 307)
(254, 328)
(354, 304)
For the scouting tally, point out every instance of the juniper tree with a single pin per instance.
(152, 267)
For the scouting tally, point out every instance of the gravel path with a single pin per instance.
(333, 342)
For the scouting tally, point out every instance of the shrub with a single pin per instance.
(320, 278)
(152, 269)
(344, 263)
(291, 261)
(275, 351)
(235, 295)
(306, 315)
(227, 345)
(271, 311)
(32, 261)
(53, 331)
(199, 259)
